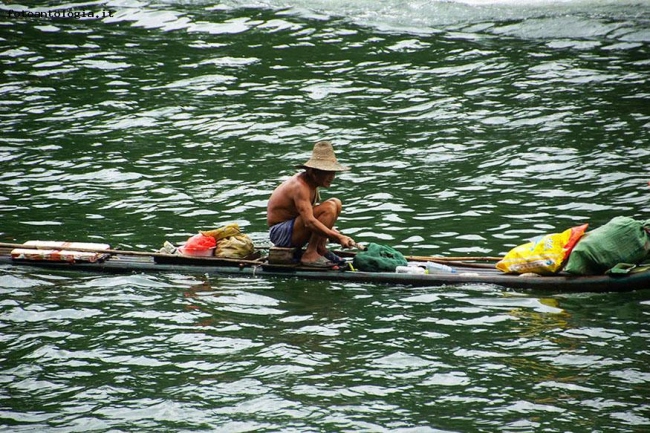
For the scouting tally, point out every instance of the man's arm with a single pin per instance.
(302, 201)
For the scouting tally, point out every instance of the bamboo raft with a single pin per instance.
(471, 270)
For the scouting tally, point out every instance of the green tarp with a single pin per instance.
(621, 240)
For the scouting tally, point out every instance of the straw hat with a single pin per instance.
(323, 158)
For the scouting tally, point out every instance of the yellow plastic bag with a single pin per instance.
(222, 232)
(236, 247)
(542, 255)
(231, 242)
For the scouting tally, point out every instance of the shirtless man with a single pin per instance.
(295, 217)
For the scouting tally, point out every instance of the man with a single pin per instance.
(295, 217)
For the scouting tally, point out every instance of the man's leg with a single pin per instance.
(327, 213)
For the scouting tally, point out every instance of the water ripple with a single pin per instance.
(470, 128)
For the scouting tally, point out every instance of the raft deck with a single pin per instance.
(466, 273)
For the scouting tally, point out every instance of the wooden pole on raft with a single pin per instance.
(429, 258)
(82, 250)
(124, 252)
(451, 259)
(153, 254)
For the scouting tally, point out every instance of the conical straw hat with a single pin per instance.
(323, 158)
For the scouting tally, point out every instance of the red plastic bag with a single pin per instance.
(199, 245)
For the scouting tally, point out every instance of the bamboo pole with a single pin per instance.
(154, 254)
(129, 253)
(84, 250)
(452, 259)
(429, 258)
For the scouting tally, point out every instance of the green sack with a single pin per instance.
(621, 240)
(378, 258)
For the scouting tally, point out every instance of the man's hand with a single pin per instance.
(347, 242)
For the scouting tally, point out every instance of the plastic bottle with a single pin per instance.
(410, 270)
(438, 268)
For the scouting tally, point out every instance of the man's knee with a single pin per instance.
(335, 205)
(328, 211)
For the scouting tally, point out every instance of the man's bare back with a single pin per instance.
(282, 204)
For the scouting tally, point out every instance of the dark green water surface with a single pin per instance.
(470, 127)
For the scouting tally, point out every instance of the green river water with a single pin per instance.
(470, 127)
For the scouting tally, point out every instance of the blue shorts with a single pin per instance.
(281, 233)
